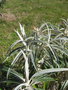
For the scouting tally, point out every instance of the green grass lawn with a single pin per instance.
(30, 13)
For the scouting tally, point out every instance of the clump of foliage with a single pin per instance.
(40, 59)
(32, 14)
(2, 2)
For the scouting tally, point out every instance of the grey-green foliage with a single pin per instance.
(44, 49)
(2, 2)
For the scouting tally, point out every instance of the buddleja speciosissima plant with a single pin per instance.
(39, 57)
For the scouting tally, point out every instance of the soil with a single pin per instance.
(7, 16)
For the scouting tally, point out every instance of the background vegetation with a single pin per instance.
(31, 13)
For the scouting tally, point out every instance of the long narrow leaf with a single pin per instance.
(46, 71)
(41, 79)
(26, 66)
(65, 51)
(21, 38)
(9, 81)
(16, 58)
(16, 74)
(22, 30)
(53, 55)
(65, 84)
(20, 86)
(32, 59)
(18, 41)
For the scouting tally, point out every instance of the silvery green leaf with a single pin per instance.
(21, 38)
(26, 65)
(16, 58)
(65, 51)
(49, 33)
(48, 64)
(18, 41)
(42, 79)
(8, 72)
(58, 35)
(15, 73)
(63, 38)
(65, 21)
(14, 61)
(42, 26)
(29, 38)
(46, 71)
(52, 52)
(22, 30)
(32, 58)
(20, 85)
(9, 81)
(64, 85)
(5, 60)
